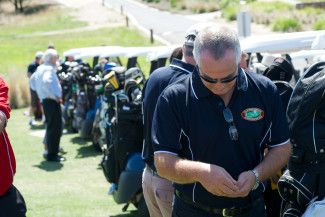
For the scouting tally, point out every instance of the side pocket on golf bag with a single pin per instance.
(297, 188)
(109, 165)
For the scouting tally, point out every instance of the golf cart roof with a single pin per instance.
(86, 52)
(161, 52)
(280, 43)
(128, 52)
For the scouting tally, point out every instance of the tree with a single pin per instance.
(19, 6)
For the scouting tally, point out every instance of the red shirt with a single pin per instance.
(7, 158)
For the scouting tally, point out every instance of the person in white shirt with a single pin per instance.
(46, 83)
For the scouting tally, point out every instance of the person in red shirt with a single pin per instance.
(12, 203)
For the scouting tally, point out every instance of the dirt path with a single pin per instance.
(93, 12)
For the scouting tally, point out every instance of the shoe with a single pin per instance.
(57, 158)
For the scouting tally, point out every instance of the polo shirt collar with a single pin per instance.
(179, 64)
(200, 90)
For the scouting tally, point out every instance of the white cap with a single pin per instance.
(39, 54)
(192, 32)
(49, 53)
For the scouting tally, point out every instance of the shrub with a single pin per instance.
(227, 3)
(230, 13)
(173, 3)
(286, 25)
(13, 95)
(269, 7)
(24, 93)
(319, 25)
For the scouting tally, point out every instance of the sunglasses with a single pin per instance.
(214, 81)
(233, 132)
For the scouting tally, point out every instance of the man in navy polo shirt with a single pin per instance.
(158, 192)
(228, 117)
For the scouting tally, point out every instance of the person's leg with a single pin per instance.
(149, 194)
(12, 204)
(164, 193)
(33, 102)
(53, 117)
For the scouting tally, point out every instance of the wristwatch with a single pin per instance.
(257, 180)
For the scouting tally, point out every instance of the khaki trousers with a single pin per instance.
(158, 193)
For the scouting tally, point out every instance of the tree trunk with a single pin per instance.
(21, 7)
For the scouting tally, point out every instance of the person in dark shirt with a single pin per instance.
(158, 192)
(228, 117)
(35, 105)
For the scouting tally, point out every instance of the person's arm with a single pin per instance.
(29, 71)
(53, 85)
(213, 178)
(4, 105)
(3, 121)
(166, 131)
(275, 160)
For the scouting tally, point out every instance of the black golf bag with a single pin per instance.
(125, 134)
(305, 176)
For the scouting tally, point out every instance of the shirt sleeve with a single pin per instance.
(166, 128)
(4, 105)
(53, 83)
(279, 134)
(30, 68)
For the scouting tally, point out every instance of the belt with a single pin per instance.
(152, 171)
(220, 211)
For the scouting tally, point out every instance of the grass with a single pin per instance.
(17, 53)
(76, 187)
(54, 20)
(18, 46)
(286, 25)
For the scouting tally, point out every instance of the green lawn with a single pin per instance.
(49, 21)
(17, 53)
(75, 188)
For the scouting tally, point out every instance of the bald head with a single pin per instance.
(217, 41)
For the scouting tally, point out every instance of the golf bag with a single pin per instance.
(305, 176)
(125, 134)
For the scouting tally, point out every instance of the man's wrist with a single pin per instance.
(257, 179)
(3, 121)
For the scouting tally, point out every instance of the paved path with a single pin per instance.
(168, 26)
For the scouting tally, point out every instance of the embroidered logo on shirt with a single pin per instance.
(252, 114)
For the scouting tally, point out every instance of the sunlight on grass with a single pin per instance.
(76, 187)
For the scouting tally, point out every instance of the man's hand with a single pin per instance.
(3, 121)
(219, 182)
(246, 182)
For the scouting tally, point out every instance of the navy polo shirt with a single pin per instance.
(188, 109)
(156, 83)
(32, 67)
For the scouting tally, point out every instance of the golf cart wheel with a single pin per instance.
(142, 208)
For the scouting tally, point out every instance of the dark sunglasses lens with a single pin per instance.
(229, 79)
(210, 80)
(233, 133)
(228, 115)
